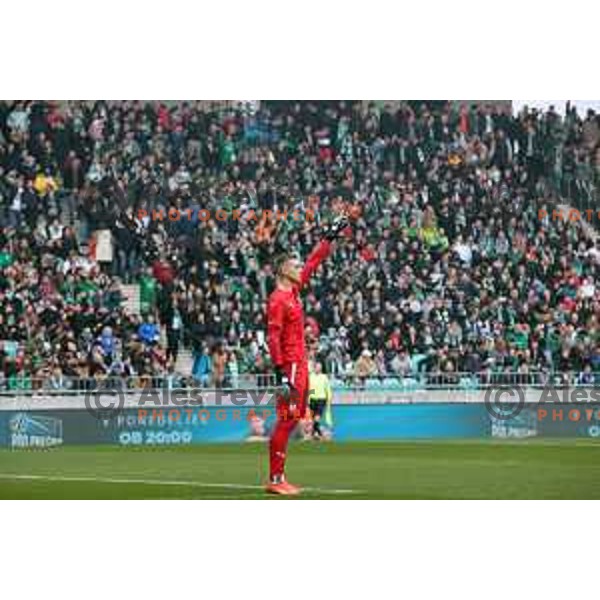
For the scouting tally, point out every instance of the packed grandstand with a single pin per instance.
(461, 268)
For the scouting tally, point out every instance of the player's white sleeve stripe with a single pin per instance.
(293, 377)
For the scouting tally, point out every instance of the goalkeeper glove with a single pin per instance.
(336, 228)
(284, 388)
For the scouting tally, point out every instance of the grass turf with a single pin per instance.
(456, 469)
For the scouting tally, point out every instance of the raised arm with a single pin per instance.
(323, 249)
(317, 256)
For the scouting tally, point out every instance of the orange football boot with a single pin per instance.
(283, 488)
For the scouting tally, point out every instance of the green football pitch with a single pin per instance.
(457, 469)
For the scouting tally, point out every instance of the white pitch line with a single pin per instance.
(199, 484)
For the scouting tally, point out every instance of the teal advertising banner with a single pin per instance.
(184, 426)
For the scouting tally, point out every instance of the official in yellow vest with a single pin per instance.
(319, 397)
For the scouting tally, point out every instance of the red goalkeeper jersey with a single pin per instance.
(285, 316)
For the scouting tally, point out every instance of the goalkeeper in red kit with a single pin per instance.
(285, 337)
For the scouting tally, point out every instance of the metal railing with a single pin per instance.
(83, 385)
(16, 386)
(576, 183)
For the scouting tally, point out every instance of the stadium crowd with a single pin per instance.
(450, 269)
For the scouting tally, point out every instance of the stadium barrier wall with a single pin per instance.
(196, 425)
(260, 397)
